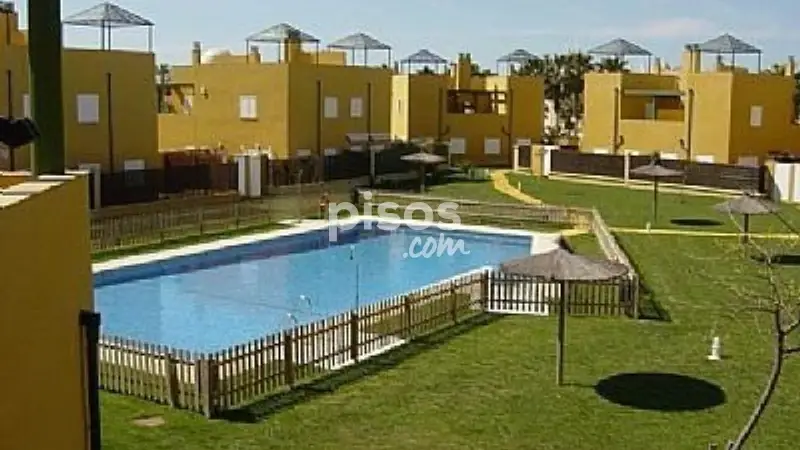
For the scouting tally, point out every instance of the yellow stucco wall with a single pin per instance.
(214, 117)
(346, 84)
(286, 102)
(718, 120)
(133, 105)
(419, 109)
(43, 406)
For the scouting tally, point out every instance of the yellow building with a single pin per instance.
(110, 106)
(304, 104)
(722, 115)
(47, 327)
(482, 117)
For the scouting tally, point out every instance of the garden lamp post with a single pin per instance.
(357, 276)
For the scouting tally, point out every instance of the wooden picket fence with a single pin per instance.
(213, 383)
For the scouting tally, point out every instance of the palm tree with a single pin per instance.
(612, 65)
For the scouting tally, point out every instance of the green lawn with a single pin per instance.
(623, 207)
(491, 385)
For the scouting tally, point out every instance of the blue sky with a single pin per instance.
(447, 27)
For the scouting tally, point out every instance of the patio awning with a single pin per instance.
(423, 56)
(359, 41)
(619, 47)
(728, 44)
(107, 15)
(517, 56)
(281, 32)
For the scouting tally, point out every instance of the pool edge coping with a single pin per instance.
(306, 227)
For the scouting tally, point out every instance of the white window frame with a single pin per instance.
(492, 146)
(87, 109)
(188, 103)
(26, 106)
(458, 146)
(331, 108)
(356, 107)
(248, 107)
(756, 116)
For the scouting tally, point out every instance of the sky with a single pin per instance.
(487, 30)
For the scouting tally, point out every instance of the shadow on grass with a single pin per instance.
(330, 383)
(649, 306)
(667, 392)
(782, 259)
(695, 222)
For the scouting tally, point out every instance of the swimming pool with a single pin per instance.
(211, 300)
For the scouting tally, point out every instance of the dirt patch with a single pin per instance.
(149, 421)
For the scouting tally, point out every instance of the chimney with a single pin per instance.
(197, 52)
(697, 61)
(255, 55)
(791, 67)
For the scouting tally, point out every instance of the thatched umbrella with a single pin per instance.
(748, 204)
(656, 171)
(562, 266)
(423, 159)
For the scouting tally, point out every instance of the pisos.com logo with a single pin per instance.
(420, 247)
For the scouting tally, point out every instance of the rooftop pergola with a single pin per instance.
(425, 58)
(519, 57)
(620, 49)
(728, 45)
(362, 42)
(279, 34)
(107, 17)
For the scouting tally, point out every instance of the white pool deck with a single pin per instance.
(542, 242)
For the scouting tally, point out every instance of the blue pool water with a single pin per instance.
(211, 301)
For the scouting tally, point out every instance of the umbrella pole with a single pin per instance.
(655, 200)
(562, 318)
(746, 227)
(422, 178)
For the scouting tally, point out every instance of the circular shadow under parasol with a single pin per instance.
(667, 392)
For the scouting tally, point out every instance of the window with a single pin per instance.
(331, 107)
(303, 153)
(134, 172)
(650, 110)
(331, 151)
(756, 113)
(475, 102)
(491, 146)
(26, 105)
(188, 104)
(88, 109)
(356, 107)
(248, 107)
(706, 159)
(458, 146)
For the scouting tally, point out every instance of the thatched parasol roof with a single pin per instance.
(747, 204)
(561, 265)
(424, 158)
(656, 170)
